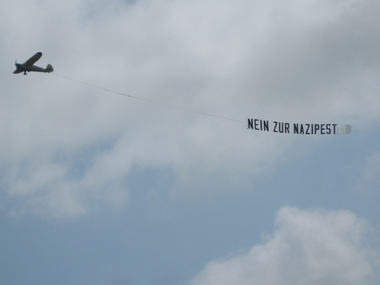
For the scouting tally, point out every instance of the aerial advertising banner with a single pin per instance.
(297, 128)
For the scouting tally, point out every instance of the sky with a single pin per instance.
(132, 163)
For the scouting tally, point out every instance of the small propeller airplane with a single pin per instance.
(28, 65)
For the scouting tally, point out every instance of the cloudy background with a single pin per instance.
(168, 186)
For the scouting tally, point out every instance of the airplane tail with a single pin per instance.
(49, 68)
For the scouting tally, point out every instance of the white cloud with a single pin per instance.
(307, 247)
(369, 180)
(276, 61)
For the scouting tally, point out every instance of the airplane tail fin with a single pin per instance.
(49, 68)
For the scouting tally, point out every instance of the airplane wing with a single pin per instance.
(33, 59)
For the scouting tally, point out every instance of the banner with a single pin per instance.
(297, 128)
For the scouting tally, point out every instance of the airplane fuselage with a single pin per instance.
(28, 65)
(22, 68)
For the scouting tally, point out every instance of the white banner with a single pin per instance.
(297, 128)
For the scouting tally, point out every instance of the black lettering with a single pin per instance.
(287, 128)
(316, 128)
(250, 124)
(274, 128)
(295, 128)
(281, 127)
(322, 129)
(266, 126)
(257, 124)
(328, 128)
(301, 130)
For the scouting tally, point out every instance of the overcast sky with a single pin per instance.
(167, 185)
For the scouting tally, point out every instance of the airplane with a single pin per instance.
(28, 65)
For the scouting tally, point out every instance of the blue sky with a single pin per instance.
(99, 188)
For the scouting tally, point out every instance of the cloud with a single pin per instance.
(294, 62)
(369, 182)
(307, 247)
(62, 190)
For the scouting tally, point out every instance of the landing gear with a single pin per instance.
(24, 72)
